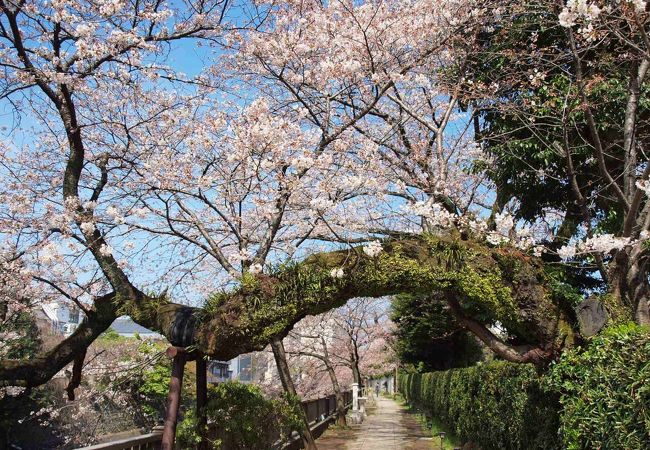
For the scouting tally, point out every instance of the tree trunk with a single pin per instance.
(356, 374)
(287, 383)
(340, 402)
(637, 282)
(536, 355)
(628, 287)
(642, 314)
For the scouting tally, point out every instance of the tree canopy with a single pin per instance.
(470, 157)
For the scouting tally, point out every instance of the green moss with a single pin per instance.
(485, 294)
(143, 309)
(618, 312)
(490, 284)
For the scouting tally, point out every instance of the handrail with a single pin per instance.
(150, 441)
(319, 424)
(318, 412)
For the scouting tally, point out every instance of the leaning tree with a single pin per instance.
(120, 162)
(323, 153)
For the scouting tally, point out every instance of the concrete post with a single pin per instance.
(355, 396)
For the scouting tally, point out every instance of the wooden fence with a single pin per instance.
(322, 408)
(319, 413)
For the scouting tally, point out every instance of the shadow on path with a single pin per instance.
(389, 427)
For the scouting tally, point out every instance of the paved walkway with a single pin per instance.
(388, 427)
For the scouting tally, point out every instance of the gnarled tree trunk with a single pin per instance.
(287, 383)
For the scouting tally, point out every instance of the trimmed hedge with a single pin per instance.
(605, 391)
(497, 405)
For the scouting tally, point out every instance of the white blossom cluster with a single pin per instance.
(576, 10)
(602, 243)
(639, 5)
(434, 212)
(372, 249)
(583, 11)
(256, 268)
(505, 232)
(644, 185)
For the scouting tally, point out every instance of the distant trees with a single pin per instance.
(354, 336)
(427, 337)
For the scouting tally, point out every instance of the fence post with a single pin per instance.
(174, 398)
(201, 401)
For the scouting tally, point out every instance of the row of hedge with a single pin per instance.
(496, 405)
(594, 397)
(605, 391)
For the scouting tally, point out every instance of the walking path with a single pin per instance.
(388, 427)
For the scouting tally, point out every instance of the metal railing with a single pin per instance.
(320, 414)
(149, 441)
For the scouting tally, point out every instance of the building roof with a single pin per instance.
(124, 326)
(49, 310)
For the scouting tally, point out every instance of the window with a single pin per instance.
(219, 369)
(246, 368)
(73, 315)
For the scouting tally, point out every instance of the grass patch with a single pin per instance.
(450, 442)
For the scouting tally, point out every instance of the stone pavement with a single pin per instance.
(388, 427)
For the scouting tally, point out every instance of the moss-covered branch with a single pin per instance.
(482, 284)
(488, 284)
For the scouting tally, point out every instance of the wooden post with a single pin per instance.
(201, 401)
(179, 356)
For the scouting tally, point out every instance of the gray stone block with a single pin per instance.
(592, 316)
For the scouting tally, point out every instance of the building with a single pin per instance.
(239, 368)
(63, 317)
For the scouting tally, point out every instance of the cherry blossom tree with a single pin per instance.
(352, 336)
(70, 70)
(168, 168)
(311, 339)
(362, 334)
(312, 128)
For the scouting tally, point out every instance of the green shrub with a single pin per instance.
(605, 391)
(497, 405)
(242, 418)
(20, 336)
(111, 336)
